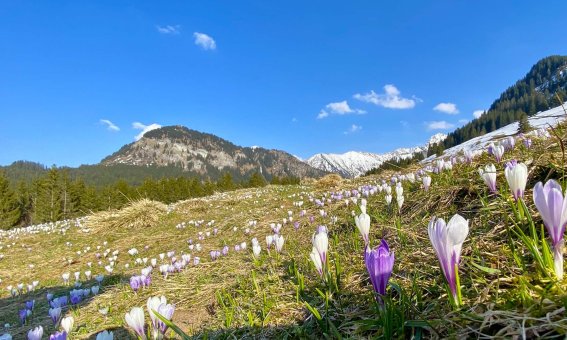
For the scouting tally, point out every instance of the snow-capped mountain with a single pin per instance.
(353, 163)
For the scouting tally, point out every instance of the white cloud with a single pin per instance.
(448, 108)
(169, 29)
(404, 123)
(463, 121)
(478, 113)
(144, 128)
(322, 114)
(205, 41)
(439, 125)
(342, 108)
(109, 125)
(353, 128)
(391, 98)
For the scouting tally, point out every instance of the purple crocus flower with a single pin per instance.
(447, 240)
(379, 263)
(145, 280)
(296, 225)
(165, 310)
(30, 304)
(135, 283)
(552, 206)
(527, 143)
(55, 314)
(76, 298)
(23, 314)
(58, 336)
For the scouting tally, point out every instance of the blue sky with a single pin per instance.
(258, 72)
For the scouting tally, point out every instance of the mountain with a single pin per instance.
(353, 164)
(541, 120)
(543, 87)
(207, 155)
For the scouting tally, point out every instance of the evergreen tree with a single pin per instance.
(257, 180)
(524, 124)
(48, 206)
(9, 210)
(226, 182)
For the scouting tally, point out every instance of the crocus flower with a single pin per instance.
(135, 283)
(279, 241)
(55, 314)
(316, 261)
(517, 176)
(153, 305)
(165, 310)
(498, 152)
(552, 206)
(135, 320)
(269, 241)
(320, 242)
(509, 143)
(400, 200)
(388, 198)
(67, 324)
(362, 222)
(58, 336)
(426, 182)
(489, 176)
(296, 225)
(379, 263)
(468, 156)
(23, 314)
(36, 333)
(256, 249)
(447, 240)
(105, 335)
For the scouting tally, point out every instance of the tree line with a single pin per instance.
(55, 195)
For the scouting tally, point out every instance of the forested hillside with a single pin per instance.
(543, 87)
(35, 194)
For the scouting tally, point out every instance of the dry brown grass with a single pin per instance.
(331, 181)
(144, 213)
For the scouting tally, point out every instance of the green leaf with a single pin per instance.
(487, 270)
(313, 310)
(171, 325)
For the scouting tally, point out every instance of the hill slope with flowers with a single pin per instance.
(290, 261)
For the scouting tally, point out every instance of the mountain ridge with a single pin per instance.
(203, 153)
(355, 163)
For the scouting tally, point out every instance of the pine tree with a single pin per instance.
(48, 204)
(257, 180)
(524, 124)
(9, 210)
(226, 182)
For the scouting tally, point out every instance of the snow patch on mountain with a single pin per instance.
(544, 119)
(353, 163)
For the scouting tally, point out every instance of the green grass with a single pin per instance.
(504, 293)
